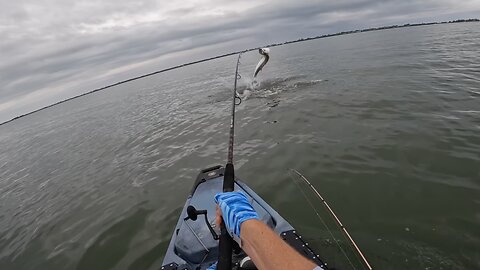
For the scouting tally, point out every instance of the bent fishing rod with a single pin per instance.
(226, 242)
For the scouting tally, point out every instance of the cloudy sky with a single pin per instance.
(54, 49)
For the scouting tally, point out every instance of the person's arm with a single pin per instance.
(268, 250)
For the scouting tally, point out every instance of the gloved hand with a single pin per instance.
(235, 210)
(213, 266)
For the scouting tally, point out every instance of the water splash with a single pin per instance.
(267, 87)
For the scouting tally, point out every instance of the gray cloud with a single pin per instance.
(53, 49)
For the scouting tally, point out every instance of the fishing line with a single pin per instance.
(347, 235)
(323, 222)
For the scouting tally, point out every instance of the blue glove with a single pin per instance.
(235, 210)
(212, 267)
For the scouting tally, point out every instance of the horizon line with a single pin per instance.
(237, 52)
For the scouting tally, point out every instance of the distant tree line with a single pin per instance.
(374, 29)
(247, 50)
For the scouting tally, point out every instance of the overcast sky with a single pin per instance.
(54, 49)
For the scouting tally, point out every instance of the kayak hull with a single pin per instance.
(192, 245)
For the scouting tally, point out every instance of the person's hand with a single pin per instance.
(213, 266)
(235, 209)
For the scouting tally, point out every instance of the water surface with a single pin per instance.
(385, 124)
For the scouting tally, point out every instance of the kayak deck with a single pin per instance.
(192, 245)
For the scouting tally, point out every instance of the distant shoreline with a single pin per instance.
(237, 52)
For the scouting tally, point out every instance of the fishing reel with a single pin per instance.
(193, 213)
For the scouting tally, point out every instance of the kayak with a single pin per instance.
(193, 245)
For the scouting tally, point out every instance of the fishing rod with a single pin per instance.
(357, 249)
(226, 242)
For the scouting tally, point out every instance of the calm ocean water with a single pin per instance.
(385, 124)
